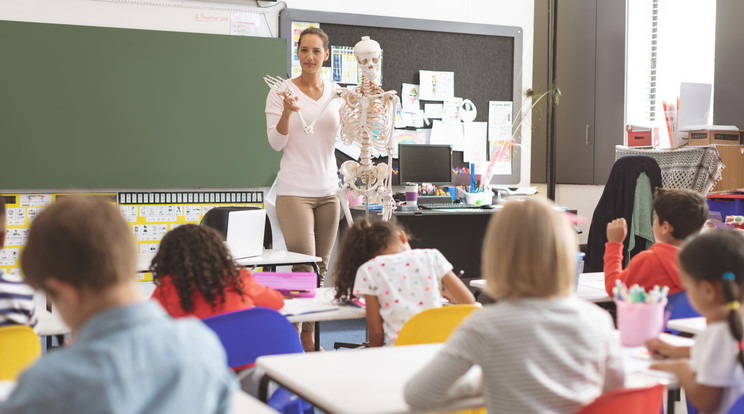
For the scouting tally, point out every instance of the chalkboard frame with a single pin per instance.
(333, 21)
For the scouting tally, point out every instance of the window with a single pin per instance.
(668, 42)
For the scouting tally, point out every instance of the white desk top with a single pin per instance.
(241, 402)
(315, 309)
(591, 287)
(270, 257)
(330, 380)
(325, 379)
(49, 324)
(693, 326)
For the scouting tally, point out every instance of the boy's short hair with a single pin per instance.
(529, 250)
(685, 210)
(81, 241)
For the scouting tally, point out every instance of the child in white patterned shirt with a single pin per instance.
(397, 282)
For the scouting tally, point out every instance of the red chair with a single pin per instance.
(629, 400)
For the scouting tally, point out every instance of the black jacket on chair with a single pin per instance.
(617, 201)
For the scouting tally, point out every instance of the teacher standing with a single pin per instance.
(306, 204)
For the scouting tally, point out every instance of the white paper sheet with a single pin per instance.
(409, 97)
(433, 111)
(448, 134)
(436, 85)
(245, 24)
(475, 136)
(451, 110)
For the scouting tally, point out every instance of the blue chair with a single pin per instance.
(678, 307)
(250, 333)
(738, 406)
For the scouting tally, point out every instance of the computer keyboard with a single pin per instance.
(447, 206)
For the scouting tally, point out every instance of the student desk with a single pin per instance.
(269, 258)
(241, 402)
(591, 287)
(693, 326)
(336, 383)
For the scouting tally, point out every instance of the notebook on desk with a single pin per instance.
(245, 233)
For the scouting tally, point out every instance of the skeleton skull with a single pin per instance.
(368, 53)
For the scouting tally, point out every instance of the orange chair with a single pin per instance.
(629, 400)
(19, 348)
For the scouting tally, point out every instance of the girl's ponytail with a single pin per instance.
(731, 293)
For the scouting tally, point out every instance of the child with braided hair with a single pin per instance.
(711, 268)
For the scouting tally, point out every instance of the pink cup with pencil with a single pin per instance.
(639, 322)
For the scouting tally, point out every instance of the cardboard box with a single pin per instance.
(641, 136)
(732, 176)
(705, 137)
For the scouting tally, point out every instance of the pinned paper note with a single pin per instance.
(409, 97)
(447, 133)
(433, 111)
(475, 140)
(451, 110)
(436, 85)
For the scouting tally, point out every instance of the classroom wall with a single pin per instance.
(498, 12)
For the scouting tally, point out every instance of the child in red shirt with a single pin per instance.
(196, 276)
(677, 215)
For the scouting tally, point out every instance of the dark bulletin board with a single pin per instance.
(486, 59)
(99, 107)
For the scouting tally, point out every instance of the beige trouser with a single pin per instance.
(309, 225)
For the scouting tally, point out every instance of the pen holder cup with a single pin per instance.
(484, 198)
(639, 322)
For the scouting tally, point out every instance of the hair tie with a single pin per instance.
(741, 345)
(733, 305)
(728, 276)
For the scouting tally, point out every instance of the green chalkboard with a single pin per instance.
(97, 107)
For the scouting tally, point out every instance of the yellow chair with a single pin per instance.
(435, 325)
(19, 347)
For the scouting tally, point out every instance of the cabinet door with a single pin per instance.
(575, 77)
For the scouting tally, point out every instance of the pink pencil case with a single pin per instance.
(294, 284)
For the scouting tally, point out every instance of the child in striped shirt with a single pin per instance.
(16, 297)
(541, 349)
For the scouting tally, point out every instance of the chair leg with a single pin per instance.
(263, 389)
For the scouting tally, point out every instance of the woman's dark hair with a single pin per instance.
(360, 243)
(318, 32)
(718, 257)
(196, 258)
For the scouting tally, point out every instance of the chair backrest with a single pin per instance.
(630, 400)
(19, 347)
(433, 325)
(217, 218)
(679, 307)
(616, 202)
(250, 333)
(738, 406)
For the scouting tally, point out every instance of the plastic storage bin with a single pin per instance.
(727, 204)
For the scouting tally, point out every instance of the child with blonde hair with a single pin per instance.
(396, 282)
(541, 349)
(711, 268)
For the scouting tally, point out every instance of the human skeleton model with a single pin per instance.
(368, 117)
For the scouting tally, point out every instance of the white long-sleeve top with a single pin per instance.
(308, 165)
(537, 356)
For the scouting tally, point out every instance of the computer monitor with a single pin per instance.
(419, 163)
